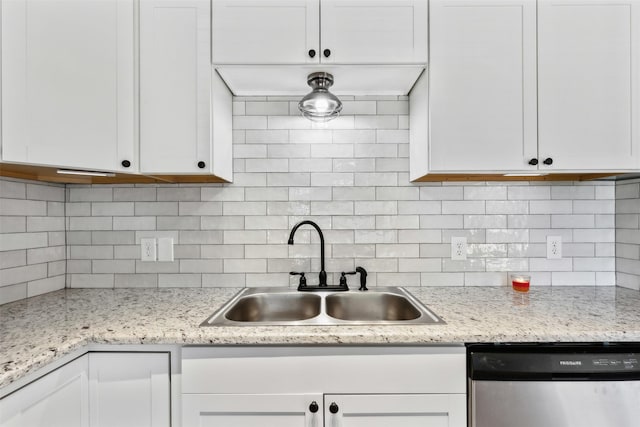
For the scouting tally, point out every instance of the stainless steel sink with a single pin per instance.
(280, 307)
(283, 306)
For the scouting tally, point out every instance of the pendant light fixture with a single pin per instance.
(320, 105)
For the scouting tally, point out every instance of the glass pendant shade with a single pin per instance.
(320, 105)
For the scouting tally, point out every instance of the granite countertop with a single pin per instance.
(39, 330)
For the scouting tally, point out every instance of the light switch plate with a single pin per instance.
(148, 249)
(165, 249)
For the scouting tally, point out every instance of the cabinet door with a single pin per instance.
(251, 410)
(68, 83)
(482, 85)
(129, 389)
(59, 399)
(374, 31)
(265, 32)
(175, 87)
(589, 84)
(406, 410)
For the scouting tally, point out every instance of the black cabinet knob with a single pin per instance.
(533, 162)
(201, 165)
(327, 53)
(313, 408)
(312, 53)
(126, 163)
(333, 408)
(548, 161)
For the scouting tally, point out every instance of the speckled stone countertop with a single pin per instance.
(39, 330)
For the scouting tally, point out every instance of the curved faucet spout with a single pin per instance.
(323, 274)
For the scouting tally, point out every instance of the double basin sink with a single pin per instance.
(283, 306)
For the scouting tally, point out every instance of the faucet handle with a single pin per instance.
(303, 280)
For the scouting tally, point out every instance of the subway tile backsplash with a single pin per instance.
(351, 177)
(32, 239)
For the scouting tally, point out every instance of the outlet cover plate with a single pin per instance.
(458, 248)
(148, 249)
(554, 247)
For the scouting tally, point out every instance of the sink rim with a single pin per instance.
(218, 318)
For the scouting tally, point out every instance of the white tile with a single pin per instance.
(376, 179)
(13, 241)
(441, 221)
(466, 207)
(442, 279)
(14, 292)
(178, 223)
(354, 136)
(13, 259)
(264, 251)
(221, 280)
(332, 150)
(48, 254)
(244, 208)
(245, 266)
(222, 194)
(507, 235)
(137, 194)
(507, 207)
(441, 193)
(157, 267)
(594, 264)
(266, 136)
(249, 122)
(487, 250)
(289, 208)
(268, 279)
(113, 266)
(134, 223)
(91, 281)
(383, 222)
(507, 264)
(36, 223)
(422, 207)
(18, 207)
(572, 192)
(284, 122)
(90, 194)
(572, 221)
(253, 108)
(254, 237)
(376, 208)
(332, 179)
(435, 250)
(485, 193)
(311, 165)
(540, 235)
(136, 280)
(350, 108)
(376, 236)
(627, 191)
(313, 193)
(529, 193)
(14, 224)
(332, 208)
(45, 192)
(94, 252)
(78, 209)
(376, 122)
(271, 222)
(419, 236)
(42, 286)
(55, 209)
(573, 279)
(354, 222)
(287, 151)
(529, 221)
(201, 237)
(199, 208)
(385, 136)
(12, 189)
(179, 280)
(605, 278)
(392, 107)
(384, 250)
(450, 266)
(594, 206)
(288, 179)
(485, 221)
(222, 251)
(419, 265)
(485, 279)
(12, 276)
(543, 264)
(395, 193)
(354, 165)
(551, 206)
(627, 206)
(376, 150)
(112, 208)
(354, 251)
(594, 235)
(398, 279)
(477, 235)
(267, 165)
(400, 165)
(179, 194)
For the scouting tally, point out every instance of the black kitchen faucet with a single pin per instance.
(322, 276)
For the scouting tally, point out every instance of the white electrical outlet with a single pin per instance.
(554, 247)
(148, 249)
(165, 249)
(458, 248)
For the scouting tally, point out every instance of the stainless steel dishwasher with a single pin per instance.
(554, 385)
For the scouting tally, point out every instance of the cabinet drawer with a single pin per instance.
(307, 369)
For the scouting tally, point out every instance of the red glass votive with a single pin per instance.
(520, 282)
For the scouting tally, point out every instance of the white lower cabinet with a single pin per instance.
(323, 386)
(95, 390)
(59, 399)
(406, 410)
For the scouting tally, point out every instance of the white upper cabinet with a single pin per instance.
(69, 83)
(263, 32)
(374, 31)
(482, 85)
(589, 84)
(175, 87)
